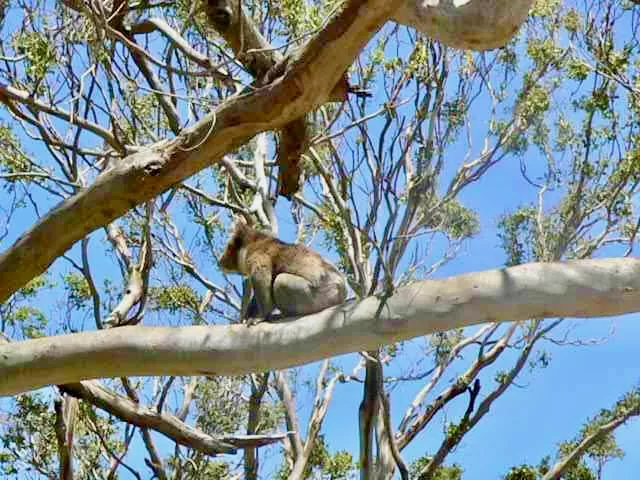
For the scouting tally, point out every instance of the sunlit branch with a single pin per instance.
(605, 287)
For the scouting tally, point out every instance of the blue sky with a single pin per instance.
(548, 406)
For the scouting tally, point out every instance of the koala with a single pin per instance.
(291, 277)
(220, 13)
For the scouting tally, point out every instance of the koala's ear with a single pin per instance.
(250, 221)
(240, 226)
(247, 222)
(238, 221)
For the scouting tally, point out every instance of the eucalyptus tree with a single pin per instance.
(379, 133)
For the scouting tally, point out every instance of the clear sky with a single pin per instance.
(543, 408)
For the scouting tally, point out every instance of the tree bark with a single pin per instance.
(466, 24)
(583, 288)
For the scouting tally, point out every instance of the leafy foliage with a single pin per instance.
(543, 132)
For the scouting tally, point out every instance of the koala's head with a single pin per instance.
(231, 260)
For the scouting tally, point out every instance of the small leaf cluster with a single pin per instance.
(78, 291)
(517, 233)
(453, 472)
(39, 51)
(323, 465)
(454, 219)
(12, 157)
(28, 439)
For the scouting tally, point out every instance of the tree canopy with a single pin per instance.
(409, 142)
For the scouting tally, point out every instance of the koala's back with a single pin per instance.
(285, 257)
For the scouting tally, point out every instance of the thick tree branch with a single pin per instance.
(265, 62)
(470, 24)
(584, 288)
(304, 85)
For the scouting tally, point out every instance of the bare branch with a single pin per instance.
(419, 399)
(605, 287)
(324, 395)
(152, 24)
(385, 405)
(173, 117)
(155, 461)
(10, 96)
(456, 389)
(291, 415)
(169, 425)
(368, 413)
(261, 204)
(259, 385)
(133, 293)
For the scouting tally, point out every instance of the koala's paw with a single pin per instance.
(253, 321)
